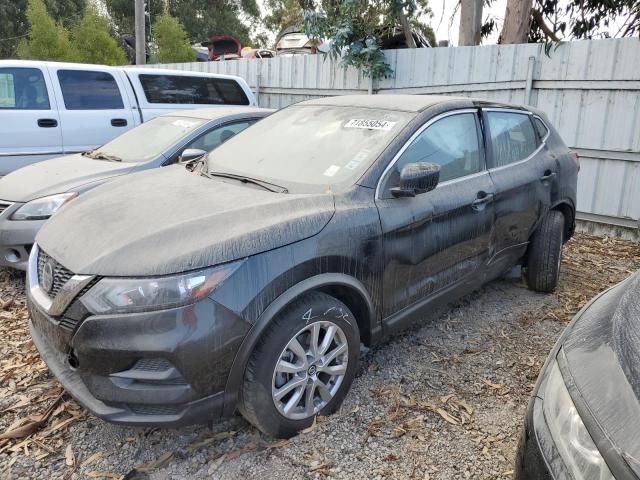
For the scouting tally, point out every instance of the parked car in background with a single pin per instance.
(292, 41)
(583, 419)
(48, 109)
(252, 53)
(250, 281)
(30, 195)
(222, 47)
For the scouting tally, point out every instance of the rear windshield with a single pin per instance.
(147, 141)
(192, 90)
(309, 148)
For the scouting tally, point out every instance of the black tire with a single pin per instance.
(256, 402)
(545, 253)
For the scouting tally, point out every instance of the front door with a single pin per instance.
(437, 239)
(29, 119)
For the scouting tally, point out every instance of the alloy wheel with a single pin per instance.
(310, 370)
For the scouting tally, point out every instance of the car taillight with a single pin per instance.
(576, 158)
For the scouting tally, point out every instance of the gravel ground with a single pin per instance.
(444, 400)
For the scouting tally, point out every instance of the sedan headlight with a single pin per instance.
(575, 445)
(127, 295)
(42, 208)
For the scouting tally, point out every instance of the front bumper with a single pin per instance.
(166, 368)
(16, 238)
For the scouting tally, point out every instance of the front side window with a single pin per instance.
(87, 90)
(187, 89)
(512, 137)
(23, 89)
(451, 142)
(218, 136)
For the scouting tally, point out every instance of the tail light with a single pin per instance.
(576, 158)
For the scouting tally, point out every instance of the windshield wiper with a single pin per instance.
(97, 155)
(272, 187)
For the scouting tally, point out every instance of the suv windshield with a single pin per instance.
(310, 148)
(147, 141)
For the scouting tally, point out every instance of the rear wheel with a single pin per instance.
(545, 253)
(303, 366)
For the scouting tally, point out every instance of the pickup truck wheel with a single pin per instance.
(545, 253)
(302, 366)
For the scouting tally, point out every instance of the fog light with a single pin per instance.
(12, 256)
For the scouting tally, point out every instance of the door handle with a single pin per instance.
(482, 201)
(548, 175)
(118, 122)
(47, 122)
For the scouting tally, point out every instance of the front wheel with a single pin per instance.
(545, 253)
(303, 365)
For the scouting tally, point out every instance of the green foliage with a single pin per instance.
(93, 41)
(122, 13)
(355, 27)
(14, 24)
(200, 18)
(47, 39)
(171, 44)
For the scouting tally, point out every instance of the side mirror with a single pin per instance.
(191, 154)
(417, 178)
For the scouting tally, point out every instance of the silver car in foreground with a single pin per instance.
(30, 195)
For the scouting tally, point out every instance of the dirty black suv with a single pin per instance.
(248, 280)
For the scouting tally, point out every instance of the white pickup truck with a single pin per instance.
(49, 109)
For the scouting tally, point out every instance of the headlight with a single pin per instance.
(42, 208)
(127, 295)
(576, 447)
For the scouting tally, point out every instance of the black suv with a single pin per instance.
(248, 280)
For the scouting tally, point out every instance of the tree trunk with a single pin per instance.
(516, 22)
(411, 43)
(470, 22)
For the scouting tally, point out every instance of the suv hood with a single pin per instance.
(57, 175)
(171, 220)
(602, 351)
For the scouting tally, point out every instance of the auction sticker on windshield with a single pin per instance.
(369, 124)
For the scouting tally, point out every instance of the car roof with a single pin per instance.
(220, 112)
(407, 103)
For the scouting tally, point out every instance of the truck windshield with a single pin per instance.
(145, 142)
(310, 148)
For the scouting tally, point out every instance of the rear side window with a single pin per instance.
(192, 90)
(451, 142)
(512, 137)
(541, 128)
(23, 89)
(86, 90)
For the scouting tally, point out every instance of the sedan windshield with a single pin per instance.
(147, 141)
(310, 148)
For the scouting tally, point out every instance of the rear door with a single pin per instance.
(163, 92)
(441, 238)
(518, 174)
(29, 118)
(94, 106)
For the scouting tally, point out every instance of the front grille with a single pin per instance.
(61, 275)
(146, 409)
(4, 206)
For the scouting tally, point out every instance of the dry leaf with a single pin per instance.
(69, 457)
